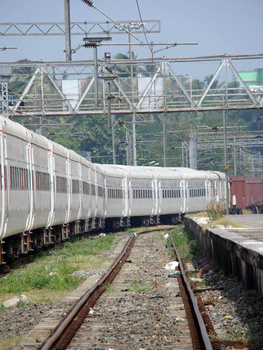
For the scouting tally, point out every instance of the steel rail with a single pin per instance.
(202, 328)
(66, 330)
(57, 337)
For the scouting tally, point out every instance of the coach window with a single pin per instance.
(100, 191)
(61, 184)
(85, 188)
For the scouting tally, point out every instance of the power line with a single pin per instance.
(139, 11)
(90, 3)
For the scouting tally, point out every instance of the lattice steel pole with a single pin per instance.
(134, 154)
(67, 29)
(164, 145)
(226, 167)
(5, 75)
(4, 97)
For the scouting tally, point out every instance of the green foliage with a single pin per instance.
(77, 251)
(54, 268)
(39, 278)
(94, 246)
(188, 248)
(215, 210)
(135, 286)
(91, 133)
(108, 287)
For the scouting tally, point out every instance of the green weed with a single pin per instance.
(135, 286)
(40, 278)
(52, 270)
(108, 287)
(79, 250)
(188, 248)
(215, 210)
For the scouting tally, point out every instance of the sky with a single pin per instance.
(230, 27)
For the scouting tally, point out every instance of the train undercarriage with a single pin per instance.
(25, 243)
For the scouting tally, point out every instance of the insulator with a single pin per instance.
(87, 45)
(109, 69)
(110, 97)
(88, 2)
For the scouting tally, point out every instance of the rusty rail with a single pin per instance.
(68, 327)
(196, 323)
(66, 330)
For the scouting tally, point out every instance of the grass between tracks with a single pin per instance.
(187, 246)
(49, 276)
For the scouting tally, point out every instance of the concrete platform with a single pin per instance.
(238, 251)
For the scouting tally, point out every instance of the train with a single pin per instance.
(245, 193)
(50, 193)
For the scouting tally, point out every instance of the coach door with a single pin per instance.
(156, 197)
(4, 197)
(31, 187)
(183, 206)
(80, 191)
(126, 211)
(68, 172)
(207, 191)
(52, 190)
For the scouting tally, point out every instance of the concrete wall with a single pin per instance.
(235, 259)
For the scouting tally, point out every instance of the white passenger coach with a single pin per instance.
(49, 193)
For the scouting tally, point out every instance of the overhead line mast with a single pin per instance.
(67, 30)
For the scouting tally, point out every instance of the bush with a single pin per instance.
(215, 210)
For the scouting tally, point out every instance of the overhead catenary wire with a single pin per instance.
(90, 3)
(139, 11)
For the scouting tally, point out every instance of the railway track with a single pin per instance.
(142, 307)
(139, 293)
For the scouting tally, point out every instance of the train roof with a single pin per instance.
(134, 171)
(200, 174)
(13, 128)
(167, 173)
(111, 170)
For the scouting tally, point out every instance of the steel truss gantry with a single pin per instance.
(155, 86)
(76, 28)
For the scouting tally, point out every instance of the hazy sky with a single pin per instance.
(220, 27)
